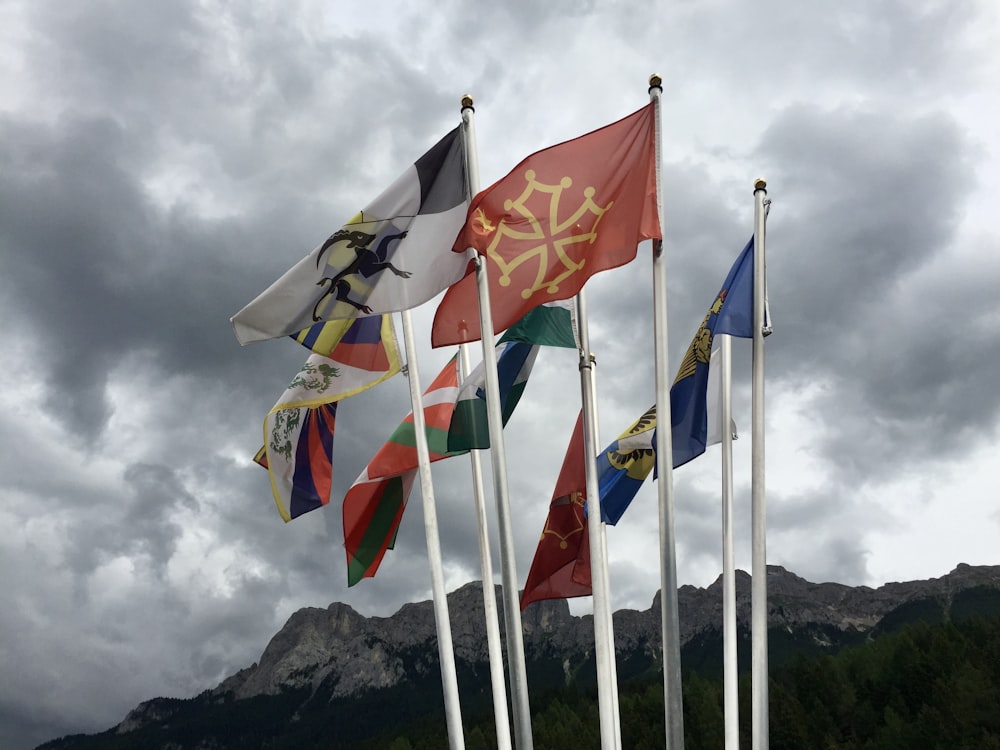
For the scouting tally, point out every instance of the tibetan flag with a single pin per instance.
(561, 566)
(373, 506)
(393, 255)
(298, 431)
(298, 457)
(562, 215)
(323, 338)
(547, 325)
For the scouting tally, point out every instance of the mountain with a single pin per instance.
(337, 668)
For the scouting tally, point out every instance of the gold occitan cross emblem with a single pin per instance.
(545, 232)
(577, 500)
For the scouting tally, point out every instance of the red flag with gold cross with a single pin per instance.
(560, 216)
(561, 566)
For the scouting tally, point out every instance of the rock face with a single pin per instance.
(347, 653)
(312, 645)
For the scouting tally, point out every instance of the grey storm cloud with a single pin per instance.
(161, 165)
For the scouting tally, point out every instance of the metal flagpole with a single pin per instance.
(446, 651)
(758, 591)
(612, 659)
(511, 602)
(669, 625)
(611, 630)
(604, 653)
(611, 627)
(730, 672)
(500, 714)
(497, 681)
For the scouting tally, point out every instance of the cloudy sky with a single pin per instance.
(160, 164)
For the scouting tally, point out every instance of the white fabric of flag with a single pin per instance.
(713, 400)
(393, 255)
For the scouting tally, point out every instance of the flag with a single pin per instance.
(298, 457)
(623, 466)
(626, 463)
(547, 325)
(561, 566)
(560, 216)
(393, 255)
(298, 431)
(714, 398)
(731, 313)
(469, 426)
(376, 510)
(323, 337)
(374, 505)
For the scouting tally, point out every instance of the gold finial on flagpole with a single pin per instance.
(759, 184)
(467, 102)
(655, 82)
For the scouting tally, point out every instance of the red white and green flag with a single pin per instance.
(374, 505)
(456, 422)
(560, 216)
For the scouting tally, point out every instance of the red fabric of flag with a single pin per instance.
(373, 506)
(560, 216)
(561, 566)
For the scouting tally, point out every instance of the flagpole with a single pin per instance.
(511, 601)
(758, 601)
(500, 714)
(611, 630)
(497, 681)
(669, 624)
(730, 671)
(446, 651)
(604, 650)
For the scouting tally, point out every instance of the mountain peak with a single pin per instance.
(340, 654)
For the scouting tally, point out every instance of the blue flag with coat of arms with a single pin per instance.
(626, 463)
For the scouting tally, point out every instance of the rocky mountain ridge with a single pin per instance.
(360, 653)
(336, 655)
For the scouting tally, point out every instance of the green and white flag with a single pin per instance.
(547, 325)
(550, 324)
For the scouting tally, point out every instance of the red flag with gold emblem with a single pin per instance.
(561, 567)
(560, 216)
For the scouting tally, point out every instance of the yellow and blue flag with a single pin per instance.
(624, 465)
(730, 313)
